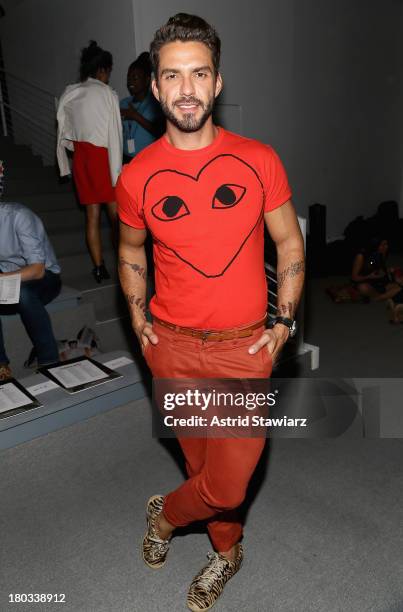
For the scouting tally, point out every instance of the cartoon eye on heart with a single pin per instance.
(170, 208)
(227, 196)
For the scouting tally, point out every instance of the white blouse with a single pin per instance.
(89, 112)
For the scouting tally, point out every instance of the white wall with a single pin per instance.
(42, 39)
(42, 42)
(319, 80)
(346, 114)
(400, 79)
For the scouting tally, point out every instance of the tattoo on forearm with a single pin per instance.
(135, 267)
(295, 268)
(288, 310)
(133, 301)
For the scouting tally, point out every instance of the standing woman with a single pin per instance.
(89, 124)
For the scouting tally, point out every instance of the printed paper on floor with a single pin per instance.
(11, 397)
(75, 374)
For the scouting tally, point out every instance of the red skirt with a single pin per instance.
(92, 176)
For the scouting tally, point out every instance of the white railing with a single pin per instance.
(28, 115)
(271, 275)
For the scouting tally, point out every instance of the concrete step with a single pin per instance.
(69, 219)
(7, 145)
(72, 242)
(107, 300)
(8, 141)
(21, 159)
(292, 364)
(76, 268)
(117, 334)
(57, 201)
(68, 243)
(67, 299)
(66, 324)
(85, 281)
(18, 187)
(60, 409)
(55, 220)
(25, 172)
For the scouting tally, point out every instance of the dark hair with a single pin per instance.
(142, 63)
(374, 243)
(371, 245)
(93, 58)
(186, 28)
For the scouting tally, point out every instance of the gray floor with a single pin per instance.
(355, 340)
(324, 533)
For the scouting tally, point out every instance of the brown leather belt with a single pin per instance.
(207, 335)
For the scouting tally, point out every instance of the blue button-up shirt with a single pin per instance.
(23, 240)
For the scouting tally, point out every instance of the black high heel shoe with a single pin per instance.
(100, 273)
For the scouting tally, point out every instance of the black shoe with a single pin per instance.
(104, 271)
(100, 273)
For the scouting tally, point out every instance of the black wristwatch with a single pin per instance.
(290, 323)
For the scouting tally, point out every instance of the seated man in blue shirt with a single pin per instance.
(25, 249)
(141, 113)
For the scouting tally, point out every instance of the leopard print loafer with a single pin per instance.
(209, 583)
(155, 549)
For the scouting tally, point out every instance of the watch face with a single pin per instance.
(293, 329)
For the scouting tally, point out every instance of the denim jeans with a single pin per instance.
(34, 295)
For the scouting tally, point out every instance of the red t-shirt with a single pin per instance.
(205, 210)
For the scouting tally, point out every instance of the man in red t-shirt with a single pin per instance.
(205, 194)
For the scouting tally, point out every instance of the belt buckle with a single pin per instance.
(205, 335)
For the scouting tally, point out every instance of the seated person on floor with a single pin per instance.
(25, 249)
(370, 274)
(395, 304)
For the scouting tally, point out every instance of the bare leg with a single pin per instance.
(93, 233)
(232, 553)
(391, 290)
(113, 218)
(367, 290)
(393, 316)
(164, 528)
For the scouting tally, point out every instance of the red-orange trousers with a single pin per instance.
(219, 469)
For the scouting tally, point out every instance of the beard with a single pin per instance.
(189, 122)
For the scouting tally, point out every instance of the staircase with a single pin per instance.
(101, 307)
(83, 302)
